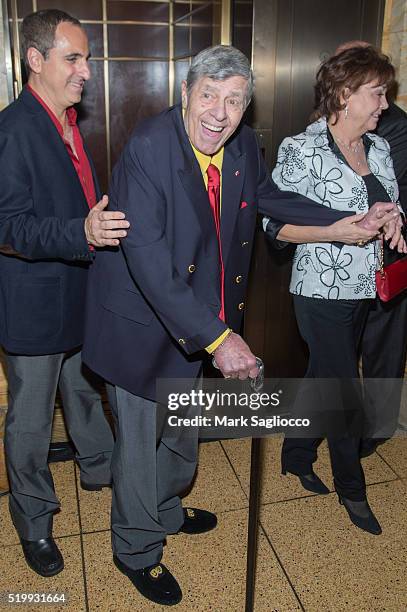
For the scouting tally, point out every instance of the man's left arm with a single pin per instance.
(289, 207)
(393, 128)
(296, 218)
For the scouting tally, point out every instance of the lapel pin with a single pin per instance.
(237, 173)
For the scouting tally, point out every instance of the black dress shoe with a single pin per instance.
(198, 521)
(310, 482)
(155, 582)
(361, 515)
(61, 451)
(43, 556)
(87, 486)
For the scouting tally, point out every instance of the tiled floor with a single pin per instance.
(310, 556)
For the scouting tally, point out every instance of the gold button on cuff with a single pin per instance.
(181, 341)
(239, 279)
(245, 243)
(191, 268)
(241, 306)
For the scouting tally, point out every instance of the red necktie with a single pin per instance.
(214, 200)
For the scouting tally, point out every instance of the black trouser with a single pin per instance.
(384, 345)
(333, 330)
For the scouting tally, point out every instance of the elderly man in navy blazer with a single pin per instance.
(50, 222)
(190, 181)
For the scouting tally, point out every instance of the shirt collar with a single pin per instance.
(70, 112)
(204, 161)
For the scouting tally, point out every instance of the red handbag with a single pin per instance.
(391, 280)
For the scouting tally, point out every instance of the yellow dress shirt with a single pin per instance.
(204, 161)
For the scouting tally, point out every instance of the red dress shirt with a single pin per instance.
(80, 160)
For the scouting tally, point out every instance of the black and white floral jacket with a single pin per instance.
(307, 164)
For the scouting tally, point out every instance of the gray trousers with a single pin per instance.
(32, 384)
(152, 465)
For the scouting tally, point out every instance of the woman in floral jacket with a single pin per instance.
(339, 163)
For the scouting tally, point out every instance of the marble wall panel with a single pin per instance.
(394, 43)
(4, 94)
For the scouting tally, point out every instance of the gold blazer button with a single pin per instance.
(191, 268)
(241, 306)
(181, 341)
(239, 279)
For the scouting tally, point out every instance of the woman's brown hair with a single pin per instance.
(349, 70)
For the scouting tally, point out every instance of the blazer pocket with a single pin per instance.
(129, 305)
(34, 307)
(247, 208)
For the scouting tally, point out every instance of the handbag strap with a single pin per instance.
(381, 258)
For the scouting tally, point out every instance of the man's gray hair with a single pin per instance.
(220, 63)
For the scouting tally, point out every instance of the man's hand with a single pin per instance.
(235, 359)
(104, 227)
(378, 215)
(361, 228)
(388, 217)
(349, 231)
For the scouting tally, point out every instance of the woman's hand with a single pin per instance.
(392, 231)
(401, 245)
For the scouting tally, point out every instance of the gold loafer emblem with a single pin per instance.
(156, 571)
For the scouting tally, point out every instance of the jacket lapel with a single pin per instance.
(233, 173)
(191, 178)
(54, 140)
(94, 175)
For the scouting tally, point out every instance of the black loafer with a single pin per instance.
(87, 486)
(311, 482)
(154, 582)
(198, 521)
(43, 556)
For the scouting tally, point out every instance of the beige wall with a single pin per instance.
(4, 99)
(395, 43)
(3, 386)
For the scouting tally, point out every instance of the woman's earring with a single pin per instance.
(346, 111)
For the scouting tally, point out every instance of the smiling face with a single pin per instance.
(213, 111)
(60, 78)
(366, 104)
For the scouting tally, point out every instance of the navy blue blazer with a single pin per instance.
(153, 304)
(44, 255)
(393, 127)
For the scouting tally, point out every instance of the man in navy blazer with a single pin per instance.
(50, 222)
(190, 181)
